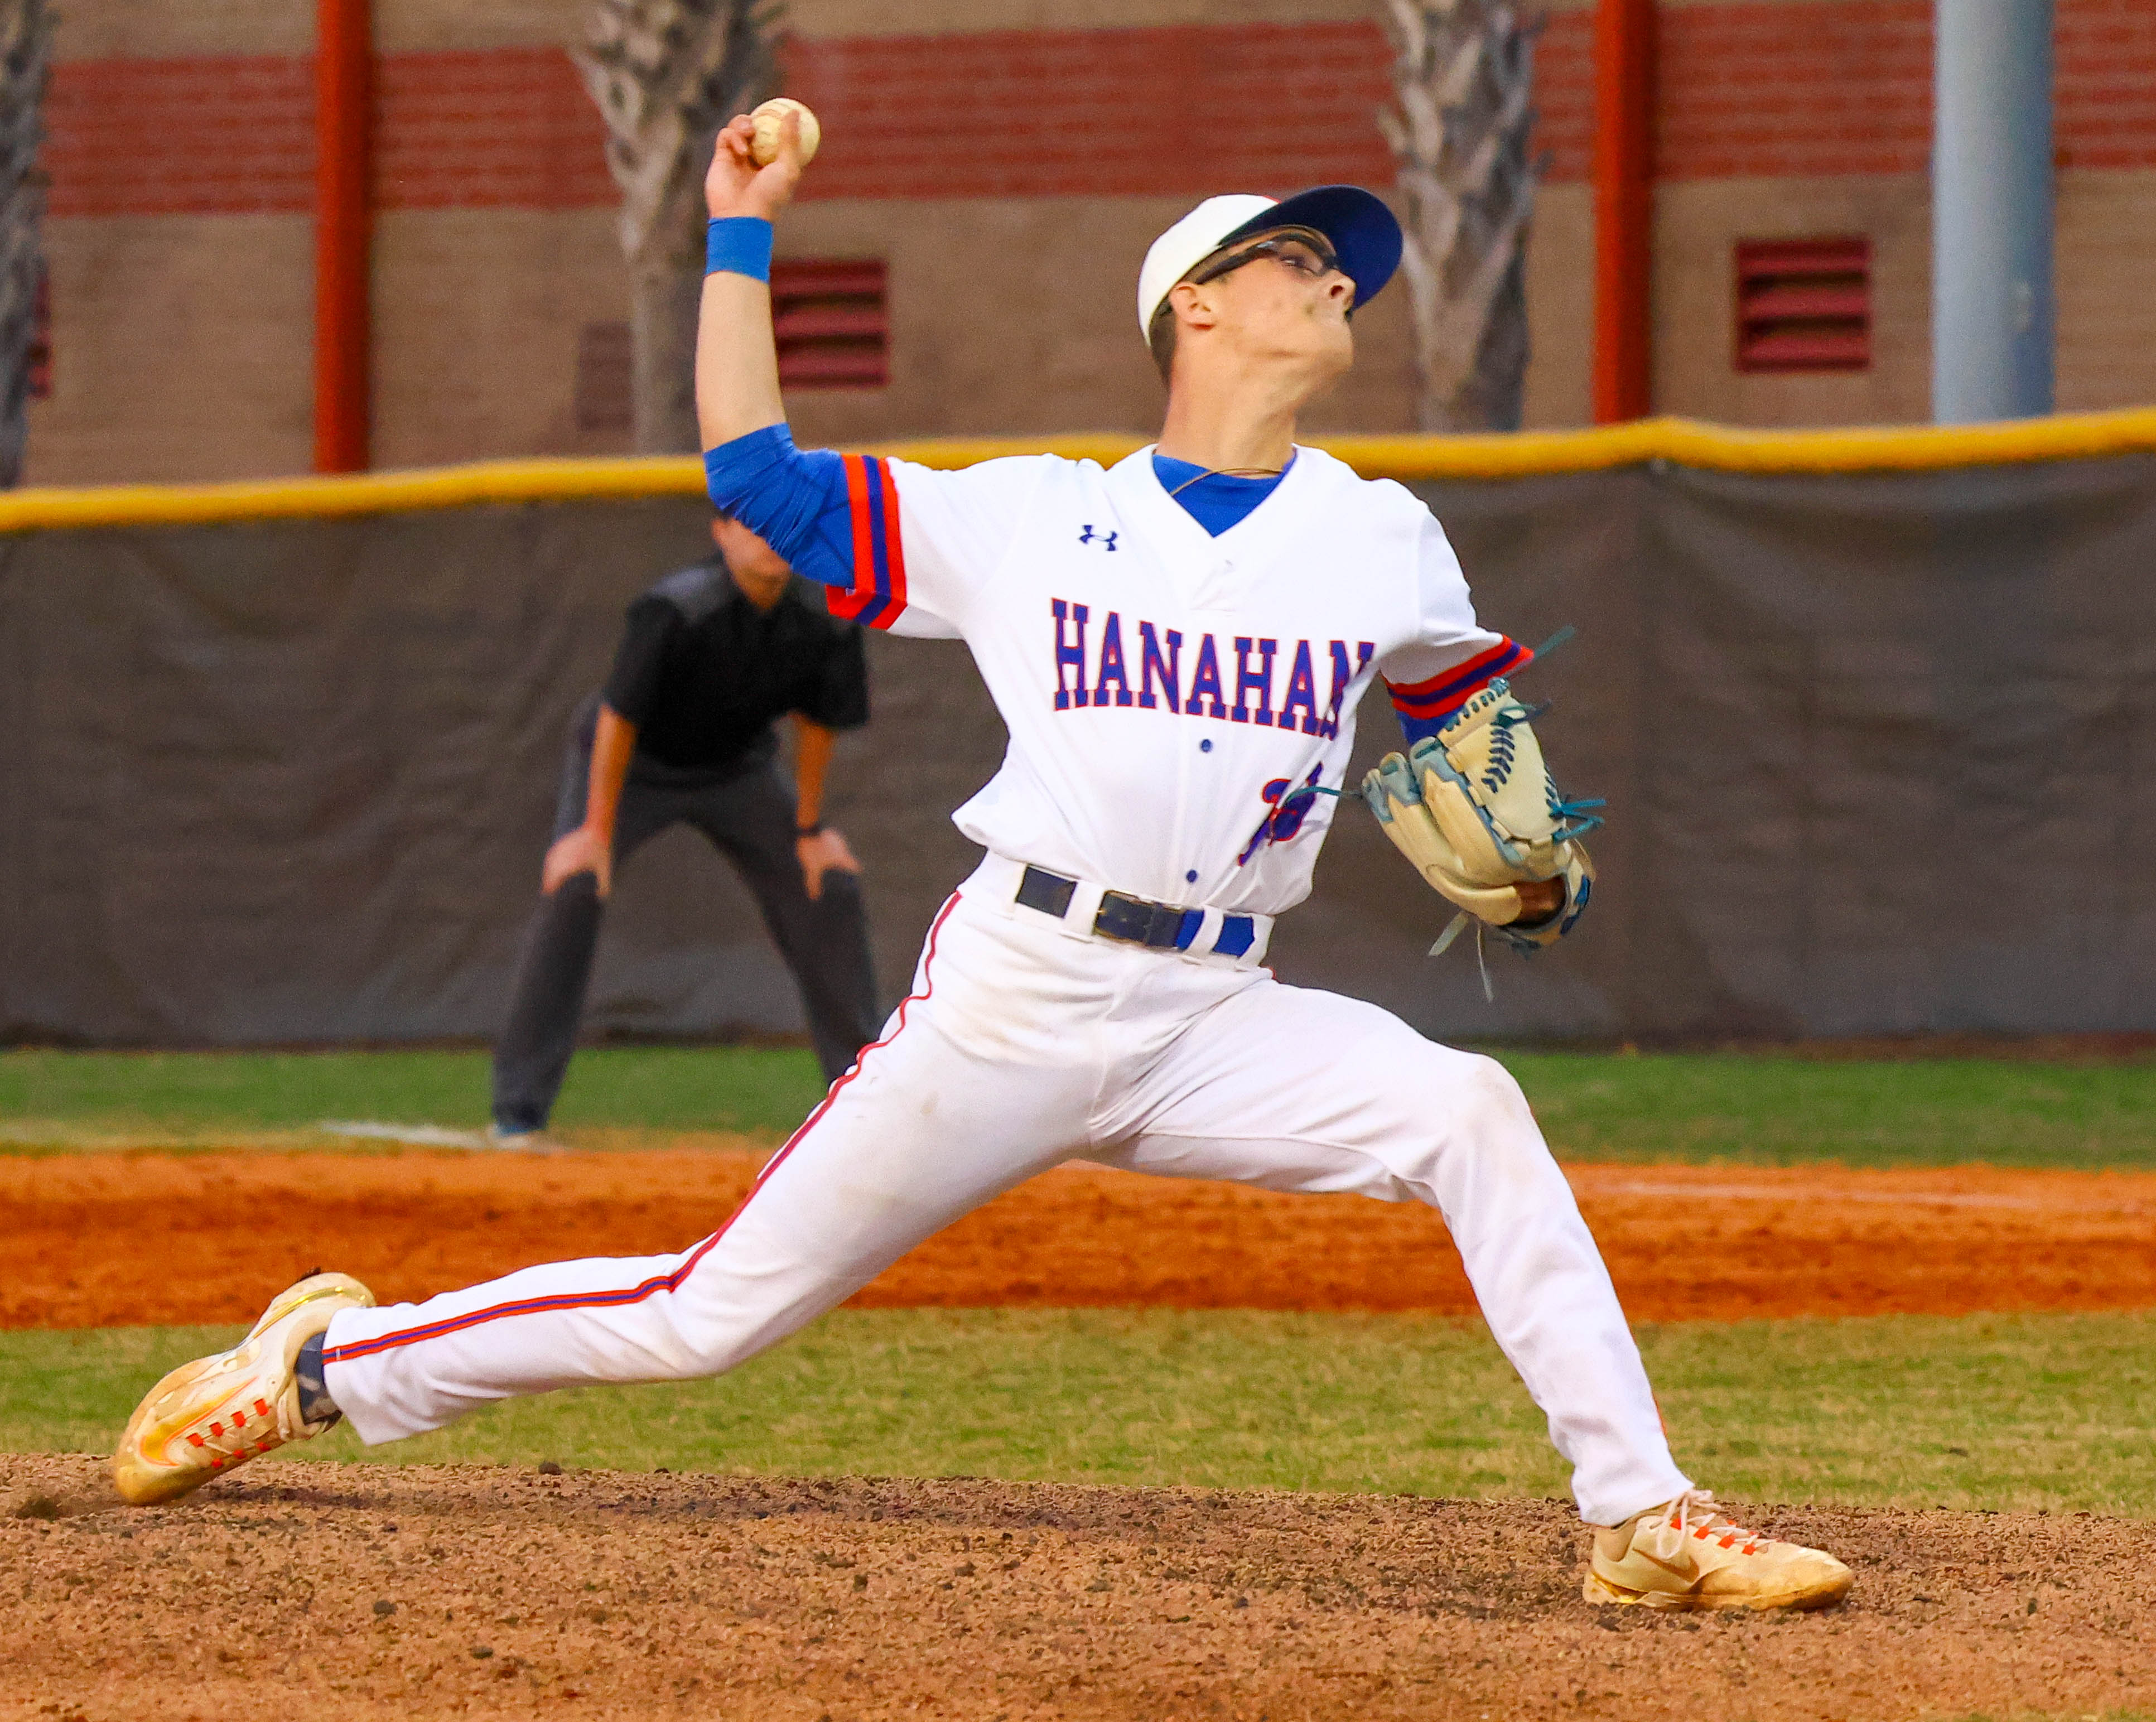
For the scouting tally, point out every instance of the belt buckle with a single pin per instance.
(1136, 920)
(1126, 919)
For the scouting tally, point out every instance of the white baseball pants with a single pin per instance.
(1026, 1042)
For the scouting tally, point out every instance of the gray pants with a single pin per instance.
(750, 819)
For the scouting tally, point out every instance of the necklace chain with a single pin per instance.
(1229, 472)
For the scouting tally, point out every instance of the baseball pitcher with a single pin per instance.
(1177, 645)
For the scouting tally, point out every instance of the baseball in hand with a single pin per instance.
(764, 146)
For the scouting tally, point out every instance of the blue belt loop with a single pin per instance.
(1193, 919)
(1238, 933)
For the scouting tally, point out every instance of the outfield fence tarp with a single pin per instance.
(1878, 737)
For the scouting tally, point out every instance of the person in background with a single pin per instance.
(710, 659)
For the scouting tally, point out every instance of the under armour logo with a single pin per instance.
(1106, 541)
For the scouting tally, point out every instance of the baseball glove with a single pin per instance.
(1474, 809)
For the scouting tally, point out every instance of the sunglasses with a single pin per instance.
(1307, 253)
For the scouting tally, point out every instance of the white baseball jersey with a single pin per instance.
(1172, 698)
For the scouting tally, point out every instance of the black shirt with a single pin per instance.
(703, 673)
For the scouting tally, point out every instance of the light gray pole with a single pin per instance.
(1992, 313)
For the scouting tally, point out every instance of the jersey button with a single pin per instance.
(1190, 877)
(1205, 746)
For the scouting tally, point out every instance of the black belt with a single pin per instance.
(1157, 926)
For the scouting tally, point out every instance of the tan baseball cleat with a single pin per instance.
(1687, 1555)
(217, 1412)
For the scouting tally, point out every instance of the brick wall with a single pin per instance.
(455, 129)
(198, 135)
(2105, 83)
(1773, 118)
(1790, 91)
(1770, 90)
(1184, 111)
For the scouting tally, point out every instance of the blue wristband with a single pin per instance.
(739, 245)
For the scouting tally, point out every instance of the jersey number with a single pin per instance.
(1286, 809)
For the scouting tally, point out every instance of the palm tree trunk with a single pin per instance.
(666, 291)
(666, 74)
(1463, 78)
(26, 51)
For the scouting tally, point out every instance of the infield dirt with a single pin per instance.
(328, 1592)
(126, 1239)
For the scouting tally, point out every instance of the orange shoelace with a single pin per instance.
(1695, 1512)
(243, 1436)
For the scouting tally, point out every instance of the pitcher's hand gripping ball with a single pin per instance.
(1474, 809)
(767, 120)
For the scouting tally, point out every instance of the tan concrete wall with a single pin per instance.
(174, 29)
(182, 343)
(2105, 264)
(2105, 270)
(477, 313)
(1008, 317)
(1021, 316)
(1013, 317)
(1696, 227)
(1561, 309)
(181, 350)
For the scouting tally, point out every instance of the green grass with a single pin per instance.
(2022, 1412)
(765, 1090)
(1688, 1107)
(1770, 1111)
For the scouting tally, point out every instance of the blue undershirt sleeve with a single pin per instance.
(794, 501)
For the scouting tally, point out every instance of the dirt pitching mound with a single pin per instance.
(106, 1240)
(328, 1591)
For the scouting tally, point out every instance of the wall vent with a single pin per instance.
(1804, 305)
(605, 396)
(832, 322)
(38, 360)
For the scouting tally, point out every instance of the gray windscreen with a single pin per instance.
(1880, 753)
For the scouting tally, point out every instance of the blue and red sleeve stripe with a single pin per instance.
(1426, 708)
(877, 596)
(834, 518)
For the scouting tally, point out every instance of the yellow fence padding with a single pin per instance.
(1683, 442)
